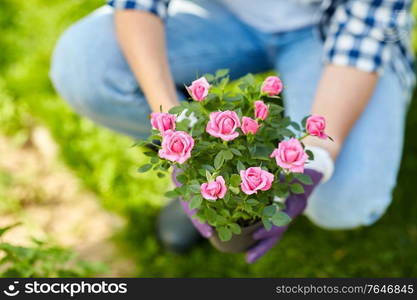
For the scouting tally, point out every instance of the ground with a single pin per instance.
(84, 180)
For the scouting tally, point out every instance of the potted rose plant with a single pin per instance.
(234, 154)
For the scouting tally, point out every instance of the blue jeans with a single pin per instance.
(90, 72)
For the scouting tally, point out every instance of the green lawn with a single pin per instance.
(106, 163)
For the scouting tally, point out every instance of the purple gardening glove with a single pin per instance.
(295, 205)
(205, 229)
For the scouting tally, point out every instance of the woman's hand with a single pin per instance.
(294, 206)
(342, 95)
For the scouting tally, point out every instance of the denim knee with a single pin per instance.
(345, 209)
(62, 73)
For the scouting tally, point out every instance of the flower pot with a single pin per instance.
(239, 242)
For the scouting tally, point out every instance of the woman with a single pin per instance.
(349, 61)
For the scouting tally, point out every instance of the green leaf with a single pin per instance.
(280, 219)
(233, 98)
(183, 125)
(176, 110)
(202, 172)
(297, 188)
(303, 178)
(208, 176)
(221, 220)
(144, 168)
(249, 79)
(263, 152)
(209, 77)
(140, 143)
(195, 202)
(281, 190)
(227, 154)
(235, 190)
(208, 167)
(235, 228)
(239, 113)
(196, 131)
(269, 210)
(236, 152)
(224, 82)
(181, 178)
(195, 188)
(310, 155)
(219, 160)
(267, 223)
(160, 175)
(240, 166)
(171, 194)
(150, 153)
(275, 108)
(286, 132)
(235, 180)
(225, 212)
(226, 198)
(304, 121)
(222, 73)
(295, 126)
(252, 202)
(224, 233)
(211, 216)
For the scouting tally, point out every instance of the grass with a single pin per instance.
(107, 163)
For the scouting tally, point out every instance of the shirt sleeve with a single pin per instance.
(156, 7)
(361, 33)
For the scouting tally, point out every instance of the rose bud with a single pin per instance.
(214, 189)
(261, 110)
(223, 125)
(249, 125)
(255, 179)
(176, 146)
(163, 121)
(316, 125)
(198, 89)
(290, 155)
(272, 86)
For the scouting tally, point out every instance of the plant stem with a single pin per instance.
(303, 137)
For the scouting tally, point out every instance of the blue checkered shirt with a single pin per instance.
(366, 34)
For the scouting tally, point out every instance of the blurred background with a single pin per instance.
(73, 204)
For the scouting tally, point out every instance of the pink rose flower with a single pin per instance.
(272, 86)
(316, 125)
(214, 189)
(261, 110)
(254, 179)
(163, 121)
(198, 89)
(223, 125)
(290, 155)
(176, 146)
(249, 125)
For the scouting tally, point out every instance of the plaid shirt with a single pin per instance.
(366, 34)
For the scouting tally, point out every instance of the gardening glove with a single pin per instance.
(204, 229)
(320, 170)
